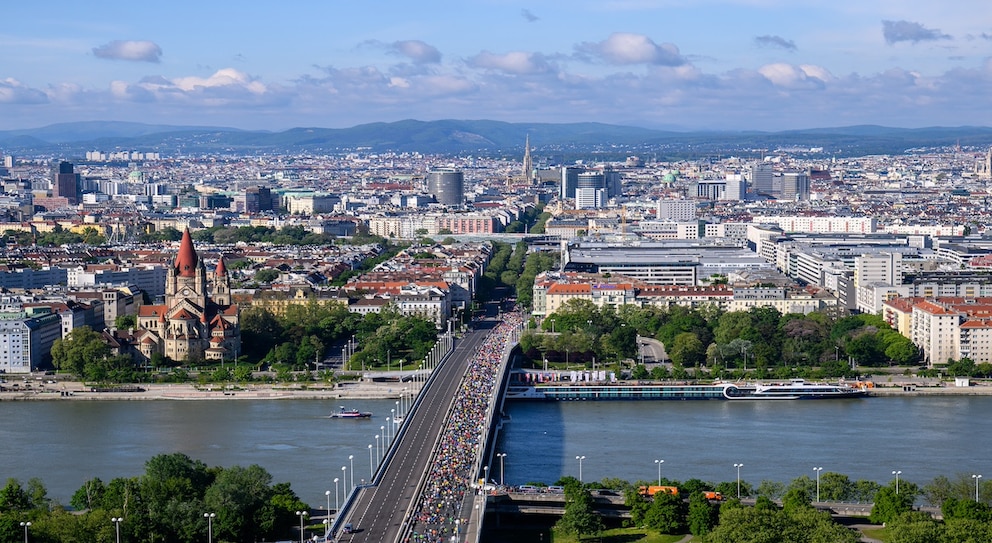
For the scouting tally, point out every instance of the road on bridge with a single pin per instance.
(378, 511)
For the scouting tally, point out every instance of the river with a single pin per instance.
(66, 443)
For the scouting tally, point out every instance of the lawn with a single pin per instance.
(622, 535)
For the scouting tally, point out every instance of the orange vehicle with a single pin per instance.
(715, 496)
(654, 489)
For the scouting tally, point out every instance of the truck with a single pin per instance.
(713, 496)
(654, 489)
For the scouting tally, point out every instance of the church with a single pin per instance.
(198, 321)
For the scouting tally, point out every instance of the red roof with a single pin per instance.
(186, 259)
(221, 270)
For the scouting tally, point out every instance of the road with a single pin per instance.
(378, 511)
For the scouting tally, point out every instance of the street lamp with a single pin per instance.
(210, 526)
(818, 470)
(896, 473)
(344, 481)
(485, 476)
(388, 436)
(337, 497)
(501, 456)
(302, 515)
(382, 431)
(580, 459)
(738, 466)
(351, 462)
(371, 464)
(25, 525)
(328, 494)
(659, 462)
(975, 477)
(117, 526)
(377, 454)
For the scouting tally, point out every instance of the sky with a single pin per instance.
(664, 64)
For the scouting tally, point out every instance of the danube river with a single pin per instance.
(67, 442)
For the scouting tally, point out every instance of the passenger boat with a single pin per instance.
(350, 414)
(796, 389)
(799, 389)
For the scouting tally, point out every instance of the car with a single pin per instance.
(348, 528)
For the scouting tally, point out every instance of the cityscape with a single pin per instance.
(625, 271)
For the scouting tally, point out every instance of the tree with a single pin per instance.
(125, 322)
(666, 513)
(889, 505)
(687, 350)
(579, 519)
(80, 347)
(266, 275)
(702, 516)
(241, 498)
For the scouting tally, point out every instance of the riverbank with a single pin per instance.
(76, 391)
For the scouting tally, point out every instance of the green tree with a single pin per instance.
(889, 505)
(667, 513)
(125, 322)
(687, 350)
(13, 497)
(702, 516)
(80, 347)
(241, 498)
(913, 527)
(89, 496)
(579, 518)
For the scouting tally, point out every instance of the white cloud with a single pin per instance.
(134, 50)
(628, 48)
(13, 91)
(516, 62)
(225, 78)
(417, 51)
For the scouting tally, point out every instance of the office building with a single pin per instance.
(447, 186)
(795, 186)
(760, 177)
(66, 183)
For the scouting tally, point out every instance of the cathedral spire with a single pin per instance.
(528, 169)
(221, 269)
(186, 260)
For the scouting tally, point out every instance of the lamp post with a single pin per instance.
(371, 464)
(351, 463)
(975, 477)
(25, 525)
(817, 471)
(485, 476)
(337, 497)
(896, 473)
(328, 494)
(344, 481)
(382, 432)
(302, 515)
(501, 456)
(387, 438)
(552, 326)
(210, 526)
(738, 466)
(580, 459)
(377, 455)
(659, 462)
(117, 526)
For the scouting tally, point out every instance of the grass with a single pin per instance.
(623, 535)
(881, 534)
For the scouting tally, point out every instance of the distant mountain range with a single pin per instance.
(480, 137)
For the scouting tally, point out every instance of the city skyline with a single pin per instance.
(668, 64)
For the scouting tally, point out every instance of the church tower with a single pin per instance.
(222, 284)
(528, 168)
(197, 320)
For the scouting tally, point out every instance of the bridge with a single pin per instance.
(421, 486)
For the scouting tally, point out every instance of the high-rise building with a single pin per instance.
(66, 183)
(528, 168)
(569, 181)
(590, 198)
(736, 187)
(258, 199)
(760, 177)
(795, 186)
(447, 186)
(676, 210)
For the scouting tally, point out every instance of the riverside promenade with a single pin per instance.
(77, 391)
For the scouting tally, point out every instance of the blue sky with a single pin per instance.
(680, 64)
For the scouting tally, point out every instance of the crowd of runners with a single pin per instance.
(437, 516)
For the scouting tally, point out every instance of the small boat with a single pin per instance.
(350, 414)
